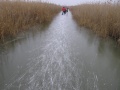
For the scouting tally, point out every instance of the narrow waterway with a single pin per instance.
(62, 56)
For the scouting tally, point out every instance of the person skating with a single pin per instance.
(63, 10)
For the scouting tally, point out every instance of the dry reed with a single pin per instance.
(103, 19)
(16, 16)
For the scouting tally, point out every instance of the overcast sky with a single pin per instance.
(72, 2)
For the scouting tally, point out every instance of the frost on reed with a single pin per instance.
(103, 19)
(16, 16)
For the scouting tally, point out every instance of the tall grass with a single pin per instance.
(16, 16)
(103, 19)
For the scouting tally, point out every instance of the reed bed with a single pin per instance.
(16, 16)
(104, 19)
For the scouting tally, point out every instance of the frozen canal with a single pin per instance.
(63, 56)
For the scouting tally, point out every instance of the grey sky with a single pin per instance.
(72, 2)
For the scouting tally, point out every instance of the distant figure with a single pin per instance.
(66, 9)
(63, 10)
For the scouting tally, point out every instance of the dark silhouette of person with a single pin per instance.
(67, 9)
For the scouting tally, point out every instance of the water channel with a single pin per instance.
(62, 56)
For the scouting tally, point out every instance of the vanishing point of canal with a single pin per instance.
(63, 56)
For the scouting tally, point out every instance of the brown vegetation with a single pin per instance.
(103, 19)
(20, 15)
